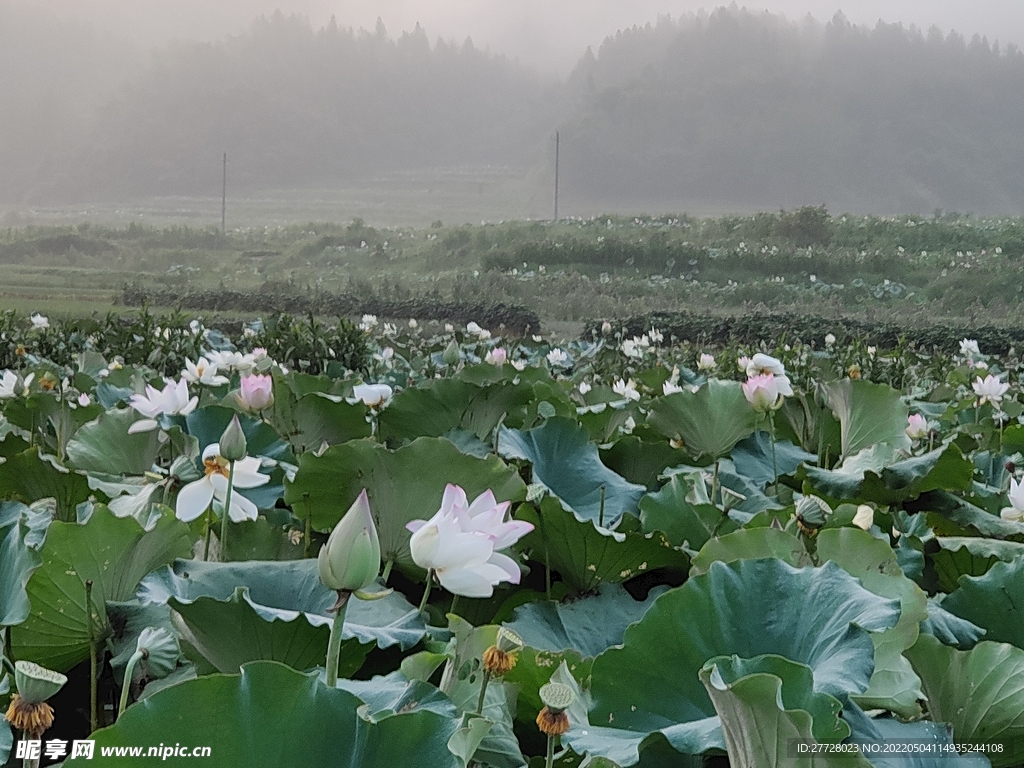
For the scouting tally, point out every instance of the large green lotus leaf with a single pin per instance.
(751, 544)
(587, 555)
(876, 732)
(752, 458)
(768, 703)
(710, 421)
(868, 414)
(682, 521)
(970, 556)
(442, 405)
(979, 692)
(950, 515)
(605, 421)
(641, 461)
(104, 445)
(115, 554)
(1006, 551)
(316, 418)
(17, 562)
(403, 485)
(567, 463)
(260, 539)
(588, 626)
(254, 718)
(277, 600)
(949, 628)
(6, 740)
(29, 476)
(994, 602)
(386, 695)
(894, 686)
(942, 469)
(821, 617)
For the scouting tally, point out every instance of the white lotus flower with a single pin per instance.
(742, 363)
(557, 357)
(761, 364)
(1015, 512)
(40, 322)
(584, 387)
(626, 389)
(706, 362)
(969, 348)
(460, 542)
(989, 390)
(195, 498)
(917, 426)
(203, 372)
(830, 339)
(656, 336)
(864, 518)
(233, 361)
(172, 400)
(668, 388)
(374, 395)
(368, 322)
(8, 385)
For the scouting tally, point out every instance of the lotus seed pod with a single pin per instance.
(36, 684)
(185, 470)
(556, 696)
(812, 511)
(508, 641)
(232, 443)
(160, 651)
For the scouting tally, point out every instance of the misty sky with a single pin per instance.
(550, 34)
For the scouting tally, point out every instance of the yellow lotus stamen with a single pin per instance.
(552, 722)
(215, 465)
(497, 661)
(32, 718)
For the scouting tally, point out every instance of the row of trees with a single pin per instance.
(730, 109)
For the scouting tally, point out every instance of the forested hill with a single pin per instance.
(731, 110)
(752, 110)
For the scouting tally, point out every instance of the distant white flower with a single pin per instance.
(448, 327)
(864, 518)
(8, 385)
(669, 388)
(83, 400)
(195, 497)
(373, 395)
(742, 363)
(172, 400)
(249, 333)
(233, 361)
(969, 347)
(413, 324)
(473, 328)
(195, 327)
(368, 322)
(1015, 512)
(584, 387)
(830, 339)
(387, 353)
(761, 364)
(40, 322)
(706, 362)
(656, 336)
(626, 389)
(989, 390)
(871, 351)
(203, 372)
(606, 327)
(519, 365)
(557, 357)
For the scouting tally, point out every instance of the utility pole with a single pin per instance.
(224, 199)
(556, 175)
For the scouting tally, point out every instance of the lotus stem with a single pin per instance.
(455, 605)
(129, 670)
(307, 536)
(387, 571)
(483, 693)
(93, 693)
(771, 431)
(426, 591)
(714, 482)
(550, 759)
(600, 518)
(334, 645)
(209, 532)
(226, 515)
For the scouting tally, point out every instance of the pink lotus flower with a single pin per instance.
(917, 426)
(496, 356)
(763, 392)
(256, 392)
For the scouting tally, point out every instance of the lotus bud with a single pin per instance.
(557, 698)
(159, 649)
(864, 518)
(350, 559)
(232, 442)
(451, 353)
(255, 392)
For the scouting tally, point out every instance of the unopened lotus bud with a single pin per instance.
(159, 649)
(350, 559)
(232, 443)
(557, 698)
(451, 353)
(255, 392)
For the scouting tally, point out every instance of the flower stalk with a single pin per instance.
(334, 644)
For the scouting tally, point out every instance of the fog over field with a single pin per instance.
(419, 108)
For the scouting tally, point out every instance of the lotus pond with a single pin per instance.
(475, 551)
